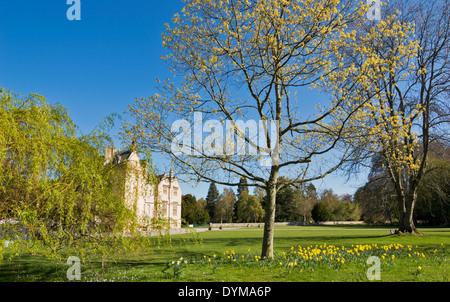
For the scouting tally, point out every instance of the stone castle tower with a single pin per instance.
(165, 203)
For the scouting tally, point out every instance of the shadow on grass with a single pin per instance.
(28, 268)
(153, 261)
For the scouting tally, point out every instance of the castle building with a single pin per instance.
(160, 200)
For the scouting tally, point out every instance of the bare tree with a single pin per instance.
(247, 60)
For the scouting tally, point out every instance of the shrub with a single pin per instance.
(320, 212)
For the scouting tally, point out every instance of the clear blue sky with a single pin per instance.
(95, 66)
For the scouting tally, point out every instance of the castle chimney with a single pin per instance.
(109, 154)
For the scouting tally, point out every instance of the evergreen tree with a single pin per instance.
(188, 208)
(211, 199)
(191, 211)
(288, 205)
(242, 187)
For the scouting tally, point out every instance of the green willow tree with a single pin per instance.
(249, 208)
(56, 192)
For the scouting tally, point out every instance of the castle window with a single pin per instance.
(175, 191)
(175, 210)
(147, 209)
(165, 189)
(164, 209)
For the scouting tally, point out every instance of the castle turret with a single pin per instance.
(110, 152)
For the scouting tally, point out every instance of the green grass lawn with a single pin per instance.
(302, 253)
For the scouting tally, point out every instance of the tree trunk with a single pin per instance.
(406, 222)
(271, 188)
(267, 245)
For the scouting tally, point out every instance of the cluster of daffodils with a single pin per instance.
(330, 256)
